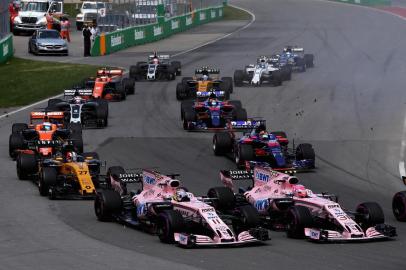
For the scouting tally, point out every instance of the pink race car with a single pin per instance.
(285, 204)
(161, 206)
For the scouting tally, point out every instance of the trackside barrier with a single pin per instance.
(6, 48)
(366, 2)
(108, 43)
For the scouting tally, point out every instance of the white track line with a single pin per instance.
(174, 55)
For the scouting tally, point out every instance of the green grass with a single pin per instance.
(27, 81)
(231, 13)
(70, 8)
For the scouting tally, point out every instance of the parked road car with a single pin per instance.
(285, 204)
(47, 42)
(163, 207)
(89, 12)
(261, 145)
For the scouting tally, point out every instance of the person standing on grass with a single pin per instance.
(86, 40)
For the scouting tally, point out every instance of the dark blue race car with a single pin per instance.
(211, 114)
(295, 58)
(259, 145)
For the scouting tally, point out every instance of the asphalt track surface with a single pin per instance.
(350, 107)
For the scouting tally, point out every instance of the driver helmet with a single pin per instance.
(71, 157)
(47, 126)
(77, 99)
(260, 128)
(300, 191)
(205, 77)
(155, 60)
(263, 135)
(181, 195)
(213, 99)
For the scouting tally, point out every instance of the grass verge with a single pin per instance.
(27, 81)
(232, 13)
(70, 8)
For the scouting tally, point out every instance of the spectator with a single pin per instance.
(65, 25)
(86, 40)
(94, 31)
(50, 20)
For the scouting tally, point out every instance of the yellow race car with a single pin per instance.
(70, 176)
(205, 80)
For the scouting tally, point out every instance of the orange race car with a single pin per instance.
(110, 84)
(39, 139)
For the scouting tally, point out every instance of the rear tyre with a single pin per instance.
(300, 63)
(15, 142)
(129, 86)
(399, 206)
(369, 214)
(26, 166)
(298, 218)
(309, 60)
(222, 143)
(18, 127)
(239, 78)
(189, 118)
(134, 71)
(53, 102)
(249, 216)
(245, 152)
(224, 198)
(229, 83)
(106, 204)
(277, 78)
(305, 151)
(47, 180)
(178, 67)
(169, 222)
(181, 91)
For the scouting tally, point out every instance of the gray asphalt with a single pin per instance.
(350, 106)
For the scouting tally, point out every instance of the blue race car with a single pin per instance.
(211, 114)
(294, 57)
(259, 145)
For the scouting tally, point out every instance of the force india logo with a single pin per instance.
(5, 49)
(117, 40)
(157, 30)
(175, 24)
(138, 34)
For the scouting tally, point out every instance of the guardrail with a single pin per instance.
(6, 48)
(366, 2)
(108, 43)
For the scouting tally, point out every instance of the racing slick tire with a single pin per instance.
(277, 78)
(15, 142)
(189, 117)
(305, 151)
(184, 106)
(171, 74)
(226, 91)
(52, 103)
(115, 172)
(102, 115)
(47, 180)
(236, 103)
(239, 78)
(223, 198)
(228, 82)
(185, 80)
(129, 85)
(169, 222)
(301, 64)
(298, 218)
(244, 152)
(399, 205)
(26, 165)
(369, 214)
(286, 73)
(103, 103)
(249, 216)
(241, 115)
(181, 91)
(309, 60)
(106, 204)
(18, 127)
(134, 72)
(178, 67)
(222, 143)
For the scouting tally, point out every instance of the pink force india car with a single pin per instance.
(285, 204)
(165, 208)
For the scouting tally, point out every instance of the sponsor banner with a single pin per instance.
(202, 16)
(139, 34)
(174, 24)
(189, 20)
(6, 48)
(116, 40)
(158, 30)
